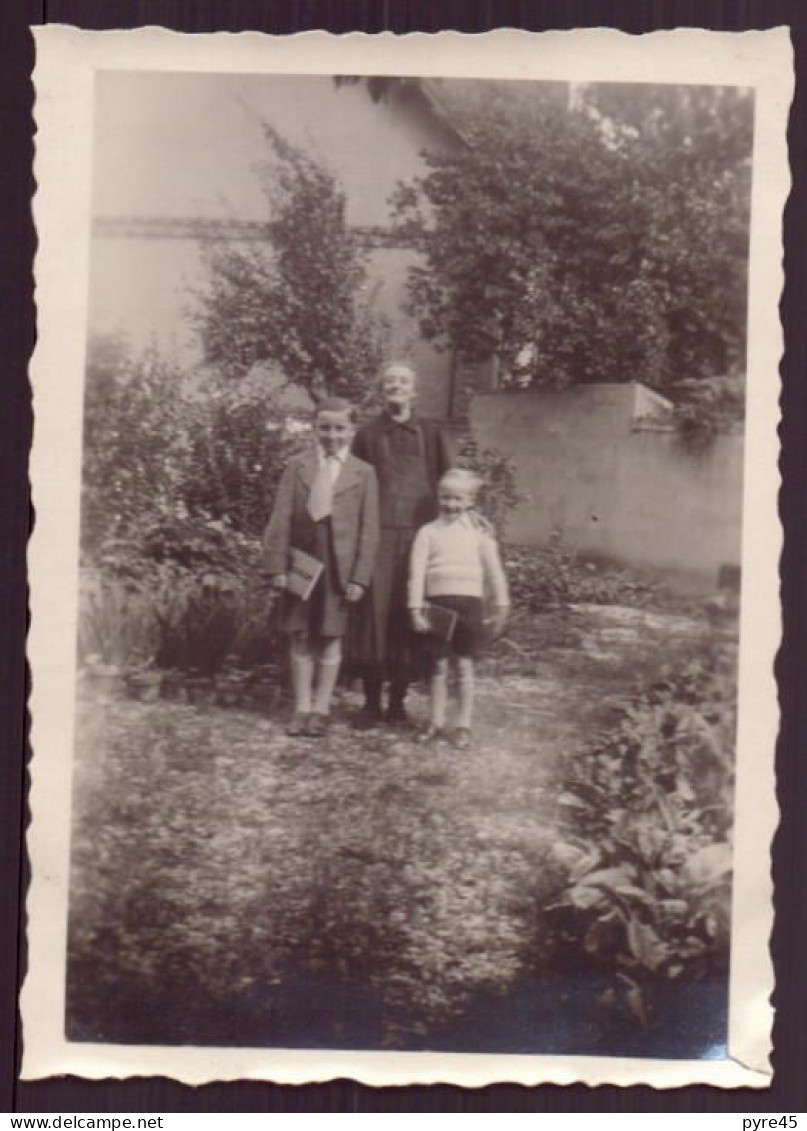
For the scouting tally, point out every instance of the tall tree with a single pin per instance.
(599, 237)
(294, 300)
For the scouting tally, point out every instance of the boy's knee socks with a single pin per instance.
(327, 674)
(466, 696)
(438, 688)
(302, 678)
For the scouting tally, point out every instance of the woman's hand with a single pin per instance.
(419, 621)
(278, 581)
(353, 592)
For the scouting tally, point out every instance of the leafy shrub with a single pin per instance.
(235, 445)
(176, 470)
(553, 576)
(192, 621)
(623, 252)
(178, 478)
(133, 438)
(117, 625)
(646, 855)
(707, 408)
(498, 494)
(210, 623)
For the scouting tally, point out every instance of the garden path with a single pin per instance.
(241, 886)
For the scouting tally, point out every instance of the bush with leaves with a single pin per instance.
(646, 856)
(185, 621)
(498, 493)
(709, 407)
(177, 484)
(132, 463)
(604, 240)
(297, 298)
(554, 576)
(117, 624)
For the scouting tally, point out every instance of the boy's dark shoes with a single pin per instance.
(368, 719)
(462, 738)
(431, 734)
(397, 716)
(317, 726)
(297, 725)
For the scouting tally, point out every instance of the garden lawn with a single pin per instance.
(232, 885)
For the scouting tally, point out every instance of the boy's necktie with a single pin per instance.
(320, 498)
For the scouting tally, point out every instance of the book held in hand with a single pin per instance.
(442, 622)
(304, 573)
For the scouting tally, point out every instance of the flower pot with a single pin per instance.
(173, 687)
(145, 686)
(227, 694)
(105, 682)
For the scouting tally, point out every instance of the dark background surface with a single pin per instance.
(17, 330)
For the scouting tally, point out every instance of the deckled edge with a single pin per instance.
(47, 867)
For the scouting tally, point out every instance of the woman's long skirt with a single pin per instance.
(381, 638)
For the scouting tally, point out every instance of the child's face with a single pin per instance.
(453, 501)
(333, 430)
(398, 387)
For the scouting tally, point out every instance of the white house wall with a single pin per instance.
(177, 148)
(612, 489)
(189, 145)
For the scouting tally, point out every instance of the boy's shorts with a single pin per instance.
(468, 637)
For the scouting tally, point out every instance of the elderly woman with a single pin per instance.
(409, 453)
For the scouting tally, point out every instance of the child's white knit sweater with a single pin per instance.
(455, 557)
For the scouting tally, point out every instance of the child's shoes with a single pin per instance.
(317, 726)
(369, 718)
(397, 716)
(462, 738)
(297, 725)
(431, 734)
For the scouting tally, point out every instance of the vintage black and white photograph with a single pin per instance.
(409, 560)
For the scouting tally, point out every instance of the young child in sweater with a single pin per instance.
(454, 561)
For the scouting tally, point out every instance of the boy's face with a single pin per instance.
(398, 387)
(333, 430)
(453, 501)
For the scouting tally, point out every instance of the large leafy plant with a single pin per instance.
(647, 853)
(179, 470)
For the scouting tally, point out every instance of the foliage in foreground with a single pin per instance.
(272, 879)
(364, 892)
(645, 835)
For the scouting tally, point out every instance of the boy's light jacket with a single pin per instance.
(354, 518)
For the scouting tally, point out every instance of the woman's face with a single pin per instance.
(333, 430)
(398, 387)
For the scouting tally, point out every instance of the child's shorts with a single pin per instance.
(469, 634)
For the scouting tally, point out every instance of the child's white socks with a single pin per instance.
(466, 693)
(438, 689)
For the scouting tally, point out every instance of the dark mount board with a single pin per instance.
(789, 1090)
